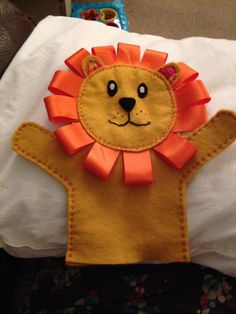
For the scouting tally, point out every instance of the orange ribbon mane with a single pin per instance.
(190, 95)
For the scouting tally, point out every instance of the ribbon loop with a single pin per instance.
(101, 160)
(65, 83)
(190, 119)
(128, 54)
(191, 94)
(138, 168)
(73, 137)
(61, 109)
(186, 75)
(74, 62)
(106, 53)
(153, 60)
(176, 150)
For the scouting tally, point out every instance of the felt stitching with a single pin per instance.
(163, 134)
(210, 154)
(219, 114)
(182, 220)
(51, 170)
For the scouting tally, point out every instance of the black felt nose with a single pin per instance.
(127, 103)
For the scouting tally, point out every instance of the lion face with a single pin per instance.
(127, 107)
(123, 105)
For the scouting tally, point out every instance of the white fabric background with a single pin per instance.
(33, 205)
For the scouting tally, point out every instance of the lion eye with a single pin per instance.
(142, 90)
(111, 88)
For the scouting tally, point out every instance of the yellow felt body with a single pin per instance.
(210, 140)
(111, 223)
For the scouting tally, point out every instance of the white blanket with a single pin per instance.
(33, 205)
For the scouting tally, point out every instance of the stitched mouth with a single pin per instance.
(129, 122)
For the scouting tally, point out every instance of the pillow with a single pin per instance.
(33, 217)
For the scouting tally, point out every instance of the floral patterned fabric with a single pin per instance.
(48, 286)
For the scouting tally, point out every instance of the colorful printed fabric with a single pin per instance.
(48, 286)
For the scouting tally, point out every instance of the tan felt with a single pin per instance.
(111, 223)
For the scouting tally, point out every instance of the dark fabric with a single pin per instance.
(39, 9)
(8, 268)
(48, 286)
(15, 27)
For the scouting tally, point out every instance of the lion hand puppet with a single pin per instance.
(132, 133)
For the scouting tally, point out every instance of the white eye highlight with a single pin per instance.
(112, 86)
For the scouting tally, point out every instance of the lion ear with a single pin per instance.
(170, 71)
(91, 64)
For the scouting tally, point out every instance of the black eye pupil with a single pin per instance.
(142, 90)
(111, 88)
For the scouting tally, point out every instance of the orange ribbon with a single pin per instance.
(106, 53)
(74, 62)
(186, 75)
(193, 93)
(73, 137)
(65, 83)
(101, 160)
(190, 119)
(153, 60)
(176, 150)
(61, 109)
(128, 54)
(138, 168)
